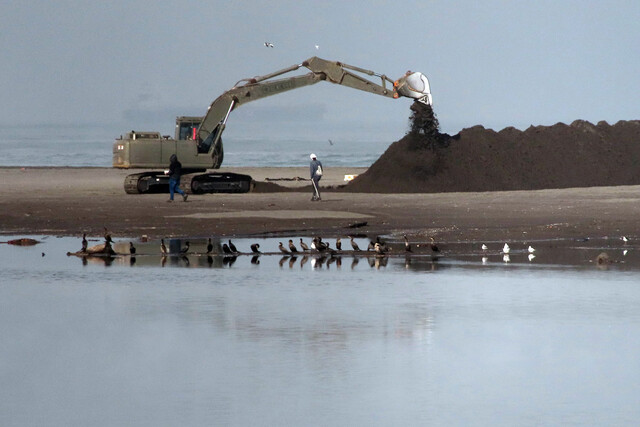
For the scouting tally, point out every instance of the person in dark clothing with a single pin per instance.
(315, 168)
(175, 172)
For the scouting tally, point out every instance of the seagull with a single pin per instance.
(624, 253)
(624, 239)
(186, 248)
(506, 248)
(484, 247)
(282, 248)
(303, 245)
(163, 247)
(338, 244)
(132, 249)
(232, 247)
(354, 245)
(531, 249)
(267, 44)
(317, 47)
(254, 248)
(407, 246)
(531, 257)
(209, 246)
(292, 247)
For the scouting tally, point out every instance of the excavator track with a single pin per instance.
(146, 182)
(216, 182)
(194, 183)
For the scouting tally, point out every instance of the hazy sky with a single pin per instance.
(139, 63)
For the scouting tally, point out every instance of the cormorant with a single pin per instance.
(371, 246)
(338, 244)
(303, 245)
(407, 246)
(282, 248)
(232, 247)
(255, 248)
(433, 245)
(209, 246)
(292, 247)
(354, 245)
(225, 249)
(84, 243)
(132, 249)
(163, 247)
(186, 248)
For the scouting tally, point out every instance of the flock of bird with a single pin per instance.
(317, 245)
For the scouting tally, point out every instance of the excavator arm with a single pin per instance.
(412, 84)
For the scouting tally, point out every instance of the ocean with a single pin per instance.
(91, 146)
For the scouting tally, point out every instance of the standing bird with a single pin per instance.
(433, 245)
(226, 249)
(185, 249)
(132, 249)
(371, 246)
(163, 247)
(531, 249)
(84, 243)
(255, 248)
(624, 239)
(407, 246)
(303, 245)
(354, 245)
(292, 247)
(379, 248)
(319, 244)
(232, 247)
(484, 247)
(282, 248)
(209, 246)
(506, 248)
(338, 244)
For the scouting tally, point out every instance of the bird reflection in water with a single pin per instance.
(292, 261)
(255, 259)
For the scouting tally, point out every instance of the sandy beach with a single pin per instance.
(70, 201)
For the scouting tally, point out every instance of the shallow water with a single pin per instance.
(384, 341)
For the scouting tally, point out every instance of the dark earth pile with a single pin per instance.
(477, 159)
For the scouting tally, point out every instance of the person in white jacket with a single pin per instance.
(315, 168)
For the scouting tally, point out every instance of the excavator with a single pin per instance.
(198, 142)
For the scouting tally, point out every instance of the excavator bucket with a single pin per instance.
(414, 85)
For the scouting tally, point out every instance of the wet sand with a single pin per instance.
(69, 201)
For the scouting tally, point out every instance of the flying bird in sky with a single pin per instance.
(267, 44)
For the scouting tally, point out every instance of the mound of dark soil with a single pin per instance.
(477, 159)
